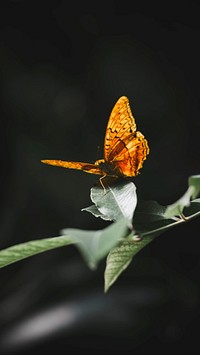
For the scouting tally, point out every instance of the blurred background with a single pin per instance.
(62, 68)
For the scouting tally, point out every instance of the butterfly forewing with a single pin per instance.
(121, 124)
(87, 167)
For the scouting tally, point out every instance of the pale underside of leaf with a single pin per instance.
(117, 202)
(95, 245)
(176, 208)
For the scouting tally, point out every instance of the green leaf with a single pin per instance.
(120, 257)
(119, 201)
(150, 211)
(176, 208)
(194, 181)
(150, 215)
(149, 222)
(94, 210)
(193, 210)
(24, 250)
(95, 245)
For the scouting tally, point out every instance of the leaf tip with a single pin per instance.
(92, 265)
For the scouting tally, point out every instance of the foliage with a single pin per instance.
(134, 225)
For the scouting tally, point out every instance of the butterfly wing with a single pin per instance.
(130, 159)
(87, 167)
(124, 148)
(120, 125)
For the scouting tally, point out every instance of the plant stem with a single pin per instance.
(180, 220)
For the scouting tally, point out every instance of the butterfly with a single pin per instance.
(125, 148)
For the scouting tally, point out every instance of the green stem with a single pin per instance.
(193, 215)
(180, 220)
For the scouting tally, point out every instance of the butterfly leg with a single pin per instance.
(101, 178)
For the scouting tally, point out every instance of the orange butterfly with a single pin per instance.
(125, 149)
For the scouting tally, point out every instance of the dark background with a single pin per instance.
(63, 65)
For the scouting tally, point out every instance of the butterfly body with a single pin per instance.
(125, 148)
(107, 168)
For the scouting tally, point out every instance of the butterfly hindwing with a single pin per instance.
(130, 159)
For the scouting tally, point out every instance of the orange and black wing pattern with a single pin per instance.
(124, 147)
(87, 167)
